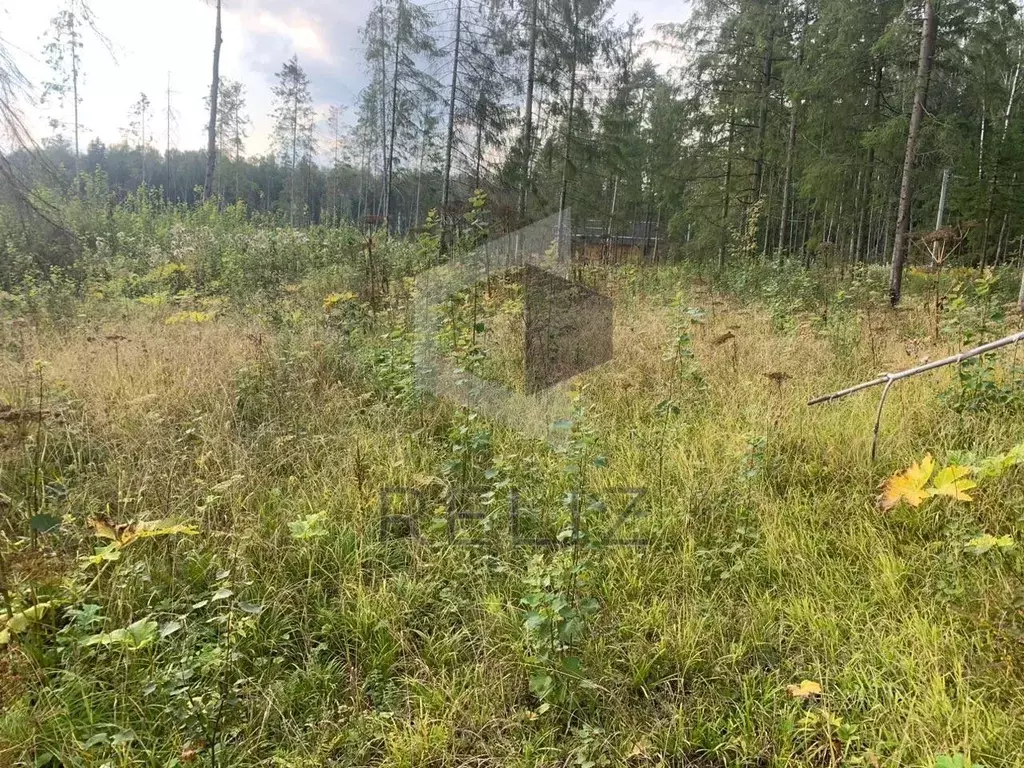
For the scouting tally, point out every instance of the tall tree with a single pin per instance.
(211, 133)
(170, 115)
(232, 130)
(924, 70)
(137, 128)
(531, 81)
(63, 55)
(452, 99)
(484, 112)
(294, 119)
(336, 146)
(63, 51)
(398, 44)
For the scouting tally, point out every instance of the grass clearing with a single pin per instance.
(295, 629)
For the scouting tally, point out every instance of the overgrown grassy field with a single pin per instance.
(515, 606)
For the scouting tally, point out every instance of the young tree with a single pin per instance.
(171, 116)
(428, 145)
(336, 146)
(63, 55)
(137, 128)
(63, 51)
(294, 121)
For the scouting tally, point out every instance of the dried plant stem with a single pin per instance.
(891, 377)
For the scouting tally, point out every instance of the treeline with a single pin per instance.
(810, 130)
(816, 130)
(824, 127)
(325, 194)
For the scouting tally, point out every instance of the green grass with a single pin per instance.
(767, 561)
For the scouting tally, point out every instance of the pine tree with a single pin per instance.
(294, 119)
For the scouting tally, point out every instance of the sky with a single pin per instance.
(153, 42)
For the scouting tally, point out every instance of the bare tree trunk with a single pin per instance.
(1000, 242)
(995, 174)
(169, 192)
(74, 89)
(309, 218)
(889, 220)
(611, 217)
(390, 165)
(479, 155)
(869, 174)
(872, 232)
(211, 131)
(1020, 294)
(767, 214)
(787, 181)
(446, 183)
(810, 222)
(563, 194)
(382, 208)
(419, 179)
(528, 130)
(362, 202)
(142, 149)
(762, 116)
(295, 141)
(238, 158)
(981, 141)
(924, 69)
(728, 181)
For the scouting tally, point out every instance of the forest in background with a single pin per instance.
(781, 132)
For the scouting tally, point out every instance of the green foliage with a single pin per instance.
(235, 600)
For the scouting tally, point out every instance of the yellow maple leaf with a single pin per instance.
(334, 299)
(953, 481)
(125, 533)
(908, 485)
(804, 690)
(103, 528)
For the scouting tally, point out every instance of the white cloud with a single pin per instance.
(299, 30)
(152, 38)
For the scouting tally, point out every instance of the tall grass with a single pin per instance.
(529, 621)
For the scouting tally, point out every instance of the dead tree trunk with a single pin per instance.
(1020, 294)
(528, 127)
(563, 194)
(382, 207)
(389, 167)
(728, 180)
(924, 69)
(995, 173)
(211, 133)
(446, 184)
(762, 116)
(869, 174)
(787, 180)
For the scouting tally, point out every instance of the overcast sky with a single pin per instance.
(152, 40)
